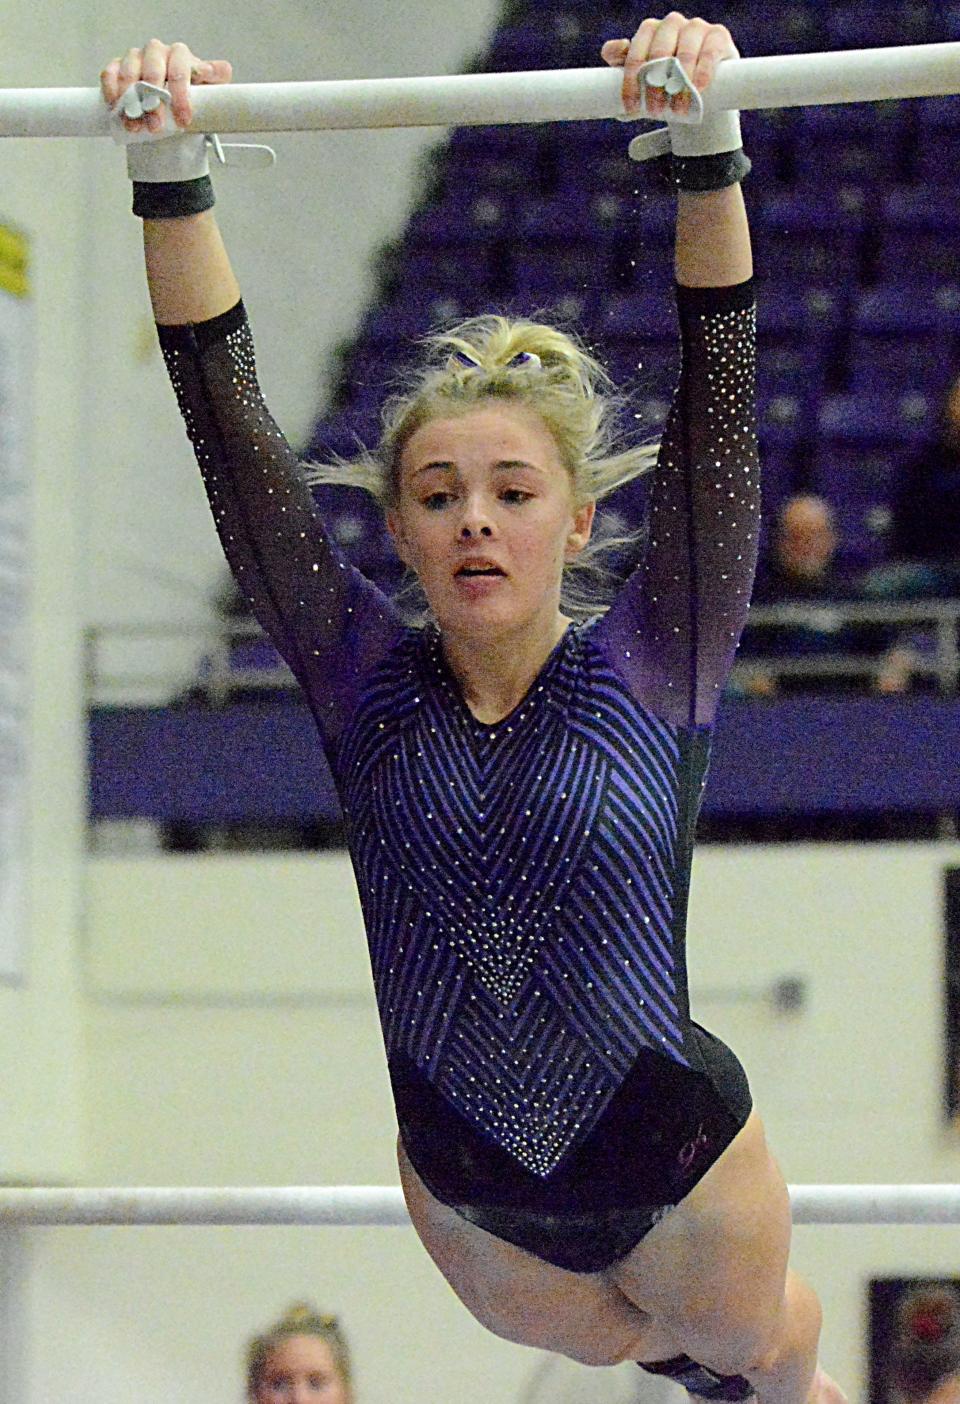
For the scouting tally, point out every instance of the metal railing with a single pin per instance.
(206, 667)
(939, 620)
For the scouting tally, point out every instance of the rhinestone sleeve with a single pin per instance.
(328, 622)
(674, 628)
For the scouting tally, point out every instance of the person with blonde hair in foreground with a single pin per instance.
(520, 786)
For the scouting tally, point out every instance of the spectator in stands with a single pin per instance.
(926, 513)
(803, 564)
(302, 1359)
(802, 568)
(924, 1363)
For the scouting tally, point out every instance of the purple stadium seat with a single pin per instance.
(866, 420)
(512, 142)
(410, 317)
(647, 365)
(464, 220)
(903, 339)
(860, 143)
(455, 272)
(448, 247)
(796, 332)
(938, 115)
(777, 478)
(639, 341)
(575, 213)
(782, 421)
(338, 437)
(643, 245)
(860, 484)
(936, 146)
(370, 368)
(492, 159)
(855, 27)
(920, 236)
(781, 29)
(803, 240)
(547, 270)
(516, 48)
(863, 443)
(937, 156)
(631, 314)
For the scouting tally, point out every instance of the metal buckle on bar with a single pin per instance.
(668, 75)
(141, 98)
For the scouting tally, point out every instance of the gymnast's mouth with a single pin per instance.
(471, 570)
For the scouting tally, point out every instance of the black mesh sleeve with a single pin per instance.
(329, 623)
(673, 630)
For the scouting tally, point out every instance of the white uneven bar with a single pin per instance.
(382, 1206)
(544, 95)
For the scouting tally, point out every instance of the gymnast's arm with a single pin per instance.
(673, 630)
(328, 622)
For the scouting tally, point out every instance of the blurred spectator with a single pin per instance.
(924, 1363)
(925, 539)
(803, 562)
(302, 1359)
(802, 569)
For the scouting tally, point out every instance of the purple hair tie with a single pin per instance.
(523, 360)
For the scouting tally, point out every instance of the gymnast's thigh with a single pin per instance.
(713, 1270)
(519, 1296)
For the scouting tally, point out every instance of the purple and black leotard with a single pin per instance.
(524, 884)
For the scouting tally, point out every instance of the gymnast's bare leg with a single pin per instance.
(710, 1281)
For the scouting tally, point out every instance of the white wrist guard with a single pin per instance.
(172, 155)
(158, 156)
(686, 134)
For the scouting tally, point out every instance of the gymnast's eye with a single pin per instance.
(434, 501)
(516, 497)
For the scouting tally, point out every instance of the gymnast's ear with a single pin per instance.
(578, 537)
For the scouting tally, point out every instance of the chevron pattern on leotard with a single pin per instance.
(518, 883)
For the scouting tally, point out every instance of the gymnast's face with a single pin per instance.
(301, 1370)
(486, 518)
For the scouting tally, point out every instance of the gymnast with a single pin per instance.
(520, 787)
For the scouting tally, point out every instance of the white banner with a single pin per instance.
(16, 380)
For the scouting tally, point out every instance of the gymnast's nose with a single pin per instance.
(475, 521)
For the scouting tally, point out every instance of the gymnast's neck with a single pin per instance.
(496, 671)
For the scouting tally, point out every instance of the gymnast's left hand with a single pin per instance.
(698, 45)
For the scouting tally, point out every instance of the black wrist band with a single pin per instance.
(702, 173)
(172, 199)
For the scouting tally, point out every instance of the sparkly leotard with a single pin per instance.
(523, 884)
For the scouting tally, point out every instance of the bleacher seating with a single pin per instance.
(857, 234)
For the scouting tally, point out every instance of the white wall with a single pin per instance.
(232, 1039)
(41, 192)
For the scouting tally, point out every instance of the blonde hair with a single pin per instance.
(302, 1319)
(521, 362)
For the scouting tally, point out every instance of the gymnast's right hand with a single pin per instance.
(170, 66)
